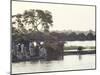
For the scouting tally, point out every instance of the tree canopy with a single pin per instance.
(35, 19)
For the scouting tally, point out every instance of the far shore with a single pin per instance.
(76, 47)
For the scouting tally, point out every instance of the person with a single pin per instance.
(19, 47)
(26, 47)
(43, 52)
(36, 50)
(22, 48)
(31, 48)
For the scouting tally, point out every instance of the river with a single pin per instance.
(71, 62)
(80, 43)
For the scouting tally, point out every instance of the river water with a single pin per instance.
(80, 43)
(70, 62)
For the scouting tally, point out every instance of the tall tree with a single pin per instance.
(36, 18)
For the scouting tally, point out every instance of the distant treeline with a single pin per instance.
(59, 36)
(74, 36)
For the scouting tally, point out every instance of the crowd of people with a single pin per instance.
(28, 50)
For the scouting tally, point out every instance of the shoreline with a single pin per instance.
(80, 53)
(65, 53)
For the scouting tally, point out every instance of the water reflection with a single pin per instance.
(70, 62)
(80, 56)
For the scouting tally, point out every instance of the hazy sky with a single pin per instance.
(65, 17)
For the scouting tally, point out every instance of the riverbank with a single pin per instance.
(80, 52)
(76, 47)
(65, 53)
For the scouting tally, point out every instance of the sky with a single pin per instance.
(65, 17)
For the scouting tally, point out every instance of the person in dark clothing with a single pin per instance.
(37, 50)
(19, 47)
(26, 43)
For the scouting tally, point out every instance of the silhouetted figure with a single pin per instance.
(37, 50)
(80, 49)
(79, 52)
(26, 43)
